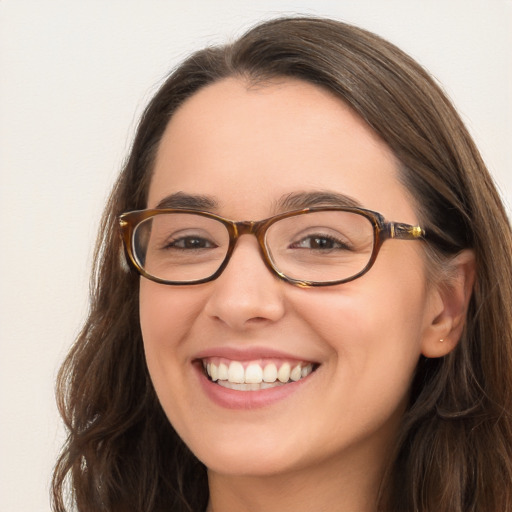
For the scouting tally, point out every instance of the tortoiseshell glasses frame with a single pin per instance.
(381, 229)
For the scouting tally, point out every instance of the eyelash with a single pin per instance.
(173, 244)
(335, 241)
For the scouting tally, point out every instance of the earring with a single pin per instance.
(442, 340)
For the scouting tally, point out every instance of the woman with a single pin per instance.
(333, 358)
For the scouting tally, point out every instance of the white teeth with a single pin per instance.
(283, 375)
(248, 387)
(270, 373)
(253, 374)
(306, 370)
(295, 374)
(235, 372)
(214, 372)
(223, 372)
(254, 377)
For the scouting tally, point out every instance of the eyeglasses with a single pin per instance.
(318, 246)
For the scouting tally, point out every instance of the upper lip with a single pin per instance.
(248, 354)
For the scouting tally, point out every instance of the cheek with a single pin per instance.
(367, 337)
(166, 314)
(373, 327)
(374, 353)
(376, 317)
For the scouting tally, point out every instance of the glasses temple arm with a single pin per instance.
(403, 231)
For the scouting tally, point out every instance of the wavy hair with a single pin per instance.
(454, 449)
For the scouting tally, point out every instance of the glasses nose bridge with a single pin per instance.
(245, 227)
(256, 228)
(250, 227)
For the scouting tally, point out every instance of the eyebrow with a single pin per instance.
(299, 200)
(288, 202)
(188, 201)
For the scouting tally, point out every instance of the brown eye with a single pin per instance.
(190, 243)
(319, 242)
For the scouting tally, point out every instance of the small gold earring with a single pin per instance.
(442, 340)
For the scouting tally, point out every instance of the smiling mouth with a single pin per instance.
(255, 375)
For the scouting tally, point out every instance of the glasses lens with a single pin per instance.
(180, 247)
(321, 246)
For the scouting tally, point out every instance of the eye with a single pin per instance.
(190, 243)
(320, 242)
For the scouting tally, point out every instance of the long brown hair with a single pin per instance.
(454, 451)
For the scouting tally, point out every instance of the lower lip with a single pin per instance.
(234, 399)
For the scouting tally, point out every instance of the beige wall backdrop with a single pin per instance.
(74, 76)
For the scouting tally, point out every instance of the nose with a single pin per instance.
(247, 294)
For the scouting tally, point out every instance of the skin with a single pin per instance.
(325, 445)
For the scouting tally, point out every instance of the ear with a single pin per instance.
(450, 302)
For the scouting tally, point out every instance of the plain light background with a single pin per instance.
(74, 76)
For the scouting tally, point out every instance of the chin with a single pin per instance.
(253, 453)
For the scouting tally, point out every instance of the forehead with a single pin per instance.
(247, 146)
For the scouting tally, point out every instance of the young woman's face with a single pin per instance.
(242, 151)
